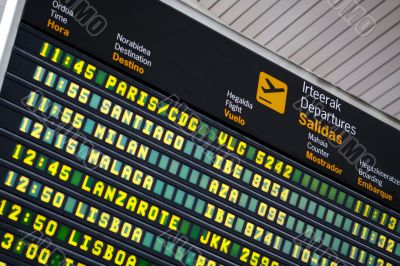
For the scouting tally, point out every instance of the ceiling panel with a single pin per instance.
(251, 14)
(230, 14)
(390, 95)
(267, 18)
(208, 3)
(314, 31)
(348, 48)
(362, 67)
(327, 38)
(296, 28)
(381, 89)
(322, 60)
(331, 33)
(372, 56)
(2, 6)
(221, 7)
(372, 80)
(393, 107)
(280, 24)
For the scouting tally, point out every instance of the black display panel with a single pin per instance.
(133, 135)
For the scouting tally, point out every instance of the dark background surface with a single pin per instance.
(200, 65)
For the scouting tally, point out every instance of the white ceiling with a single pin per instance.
(330, 38)
(2, 5)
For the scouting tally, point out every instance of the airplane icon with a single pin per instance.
(272, 93)
(272, 88)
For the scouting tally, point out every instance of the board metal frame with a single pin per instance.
(9, 25)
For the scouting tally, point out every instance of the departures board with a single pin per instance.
(132, 134)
